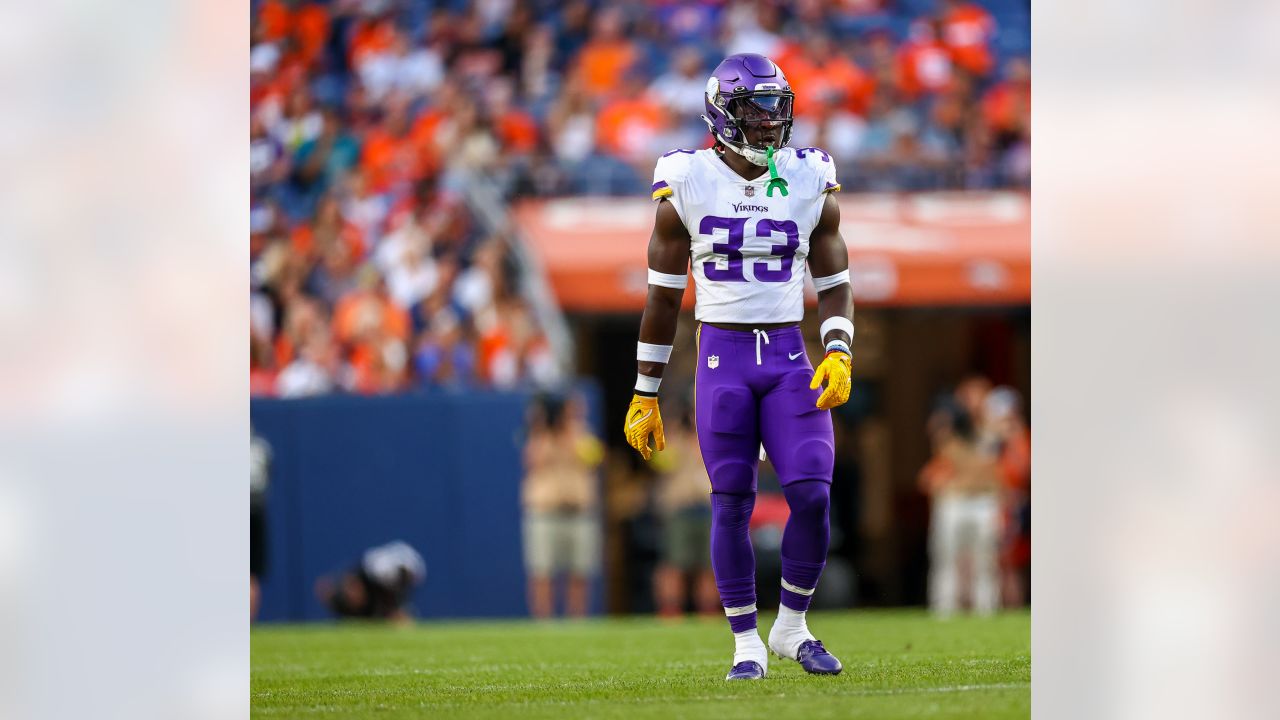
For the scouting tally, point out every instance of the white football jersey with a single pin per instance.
(748, 250)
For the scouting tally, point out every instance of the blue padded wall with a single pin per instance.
(439, 471)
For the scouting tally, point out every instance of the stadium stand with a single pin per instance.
(388, 137)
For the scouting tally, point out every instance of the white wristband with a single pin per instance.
(828, 282)
(667, 280)
(647, 352)
(647, 384)
(838, 322)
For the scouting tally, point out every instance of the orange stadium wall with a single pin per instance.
(929, 249)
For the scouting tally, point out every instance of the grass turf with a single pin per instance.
(897, 664)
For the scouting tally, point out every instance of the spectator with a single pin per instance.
(312, 372)
(404, 258)
(607, 56)
(559, 495)
(1006, 110)
(963, 484)
(264, 53)
(948, 119)
(880, 57)
(301, 122)
(364, 209)
(473, 139)
(972, 393)
(517, 131)
(529, 347)
(439, 300)
(268, 162)
(1006, 107)
(630, 125)
(477, 287)
(372, 35)
(311, 31)
(574, 27)
(391, 155)
(338, 245)
(967, 31)
(572, 125)
(374, 330)
(443, 358)
(923, 62)
(1011, 444)
(499, 359)
(275, 18)
(303, 319)
(684, 510)
(538, 75)
(322, 161)
(419, 69)
(680, 90)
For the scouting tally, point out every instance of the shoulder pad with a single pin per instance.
(819, 162)
(672, 168)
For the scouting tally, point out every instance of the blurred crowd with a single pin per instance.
(979, 484)
(370, 271)
(566, 506)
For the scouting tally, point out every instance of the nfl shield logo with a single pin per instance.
(750, 190)
(713, 361)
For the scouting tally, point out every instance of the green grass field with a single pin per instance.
(897, 664)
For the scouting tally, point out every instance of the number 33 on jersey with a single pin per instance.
(748, 249)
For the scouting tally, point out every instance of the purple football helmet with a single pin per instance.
(747, 89)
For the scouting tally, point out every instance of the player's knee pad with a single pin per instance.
(809, 498)
(732, 476)
(732, 411)
(813, 459)
(732, 509)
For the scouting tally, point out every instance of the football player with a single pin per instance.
(749, 213)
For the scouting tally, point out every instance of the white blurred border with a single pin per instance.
(1156, 563)
(124, 420)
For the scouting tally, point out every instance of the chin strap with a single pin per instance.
(775, 180)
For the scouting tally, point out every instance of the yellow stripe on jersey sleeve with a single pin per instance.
(662, 192)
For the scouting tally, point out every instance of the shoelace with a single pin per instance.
(815, 646)
(760, 334)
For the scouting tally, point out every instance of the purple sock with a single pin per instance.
(732, 558)
(804, 541)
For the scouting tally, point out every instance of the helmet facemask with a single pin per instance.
(745, 109)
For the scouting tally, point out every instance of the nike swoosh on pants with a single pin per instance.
(793, 357)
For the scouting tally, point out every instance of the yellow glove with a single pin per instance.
(644, 419)
(835, 369)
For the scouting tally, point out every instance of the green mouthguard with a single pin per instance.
(775, 180)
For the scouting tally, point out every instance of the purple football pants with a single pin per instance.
(753, 388)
